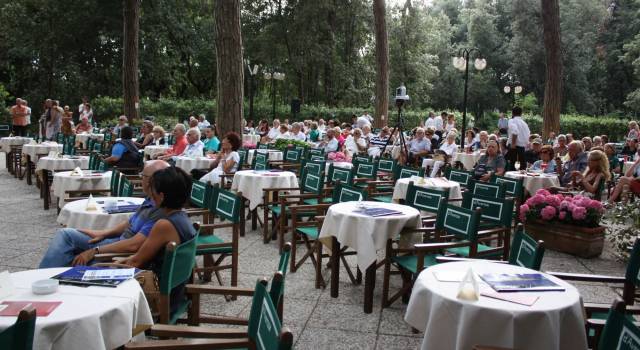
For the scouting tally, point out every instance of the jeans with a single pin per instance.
(66, 244)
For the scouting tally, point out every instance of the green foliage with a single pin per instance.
(282, 144)
(581, 125)
(623, 223)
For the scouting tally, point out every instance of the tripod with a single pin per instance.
(400, 128)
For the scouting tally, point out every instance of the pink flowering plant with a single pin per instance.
(249, 145)
(576, 210)
(338, 157)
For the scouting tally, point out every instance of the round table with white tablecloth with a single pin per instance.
(468, 160)
(345, 226)
(438, 183)
(187, 163)
(254, 139)
(151, 150)
(88, 317)
(64, 181)
(64, 163)
(75, 214)
(554, 322)
(251, 183)
(7, 142)
(84, 138)
(532, 182)
(37, 149)
(274, 154)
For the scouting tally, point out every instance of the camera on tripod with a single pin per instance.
(401, 95)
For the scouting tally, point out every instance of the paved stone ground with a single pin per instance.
(316, 320)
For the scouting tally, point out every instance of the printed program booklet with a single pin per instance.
(95, 276)
(520, 282)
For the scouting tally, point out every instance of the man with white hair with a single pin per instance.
(296, 132)
(195, 147)
(203, 122)
(122, 122)
(179, 144)
(274, 131)
(578, 161)
(419, 146)
(449, 147)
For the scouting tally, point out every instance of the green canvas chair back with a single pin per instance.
(108, 136)
(387, 165)
(69, 148)
(293, 155)
(405, 171)
(262, 145)
(526, 251)
(60, 138)
(346, 193)
(90, 143)
(97, 147)
(71, 139)
(19, 336)
(243, 157)
(460, 176)
(318, 158)
(359, 158)
(338, 174)
(494, 210)
(177, 268)
(260, 161)
(512, 187)
(200, 193)
(316, 152)
(170, 140)
(460, 222)
(126, 189)
(426, 199)
(312, 182)
(264, 326)
(225, 204)
(115, 183)
(314, 167)
(277, 283)
(488, 189)
(96, 130)
(366, 170)
(102, 166)
(93, 161)
(620, 332)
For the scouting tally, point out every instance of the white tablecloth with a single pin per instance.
(187, 164)
(7, 142)
(74, 214)
(63, 181)
(273, 154)
(64, 163)
(251, 138)
(84, 138)
(33, 150)
(94, 318)
(468, 160)
(345, 165)
(366, 234)
(438, 183)
(150, 151)
(555, 321)
(251, 183)
(533, 183)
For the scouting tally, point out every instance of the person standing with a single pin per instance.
(55, 122)
(87, 112)
(85, 100)
(517, 138)
(19, 118)
(503, 124)
(440, 124)
(28, 116)
(44, 118)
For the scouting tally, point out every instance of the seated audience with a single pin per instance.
(630, 148)
(226, 161)
(631, 179)
(561, 149)
(355, 143)
(419, 146)
(546, 164)
(447, 149)
(492, 162)
(146, 134)
(330, 144)
(591, 181)
(195, 147)
(614, 162)
(532, 155)
(79, 246)
(84, 127)
(274, 131)
(122, 122)
(314, 134)
(378, 143)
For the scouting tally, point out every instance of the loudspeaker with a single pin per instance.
(295, 106)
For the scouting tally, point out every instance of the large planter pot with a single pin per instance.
(585, 242)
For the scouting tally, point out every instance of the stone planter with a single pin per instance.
(584, 242)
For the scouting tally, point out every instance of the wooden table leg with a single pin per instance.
(369, 286)
(28, 172)
(254, 219)
(335, 266)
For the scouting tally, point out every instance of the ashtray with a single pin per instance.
(47, 286)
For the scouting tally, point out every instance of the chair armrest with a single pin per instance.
(586, 278)
(190, 344)
(445, 259)
(209, 289)
(173, 331)
(109, 256)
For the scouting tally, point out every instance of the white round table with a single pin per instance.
(151, 150)
(75, 214)
(7, 142)
(254, 139)
(63, 181)
(345, 165)
(438, 183)
(554, 321)
(251, 183)
(532, 182)
(94, 318)
(468, 160)
(64, 163)
(34, 150)
(187, 163)
(84, 138)
(274, 154)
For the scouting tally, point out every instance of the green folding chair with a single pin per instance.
(19, 336)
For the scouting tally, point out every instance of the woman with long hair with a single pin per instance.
(226, 161)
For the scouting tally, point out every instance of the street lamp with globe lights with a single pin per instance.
(273, 76)
(461, 63)
(512, 86)
(253, 70)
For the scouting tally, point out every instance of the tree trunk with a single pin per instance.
(382, 64)
(130, 84)
(553, 53)
(229, 66)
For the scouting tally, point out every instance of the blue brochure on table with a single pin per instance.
(76, 276)
(130, 208)
(520, 282)
(375, 212)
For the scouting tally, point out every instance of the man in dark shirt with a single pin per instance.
(532, 155)
(125, 237)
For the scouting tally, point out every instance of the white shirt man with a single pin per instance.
(362, 121)
(430, 122)
(195, 148)
(28, 116)
(367, 116)
(439, 123)
(273, 133)
(519, 129)
(300, 136)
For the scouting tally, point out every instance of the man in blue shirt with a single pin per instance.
(577, 162)
(72, 246)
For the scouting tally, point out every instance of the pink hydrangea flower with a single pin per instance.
(524, 209)
(543, 192)
(554, 200)
(548, 213)
(562, 215)
(536, 200)
(579, 213)
(565, 204)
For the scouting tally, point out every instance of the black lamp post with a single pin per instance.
(252, 73)
(461, 62)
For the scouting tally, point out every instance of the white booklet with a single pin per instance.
(108, 274)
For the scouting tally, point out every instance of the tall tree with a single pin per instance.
(130, 84)
(229, 65)
(553, 53)
(382, 63)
